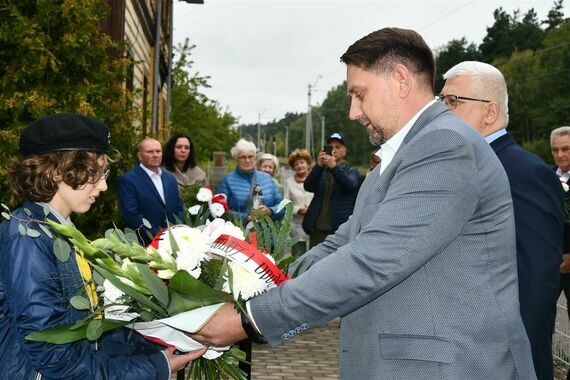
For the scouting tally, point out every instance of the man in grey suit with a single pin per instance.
(423, 273)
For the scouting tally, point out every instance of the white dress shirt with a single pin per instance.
(390, 147)
(156, 180)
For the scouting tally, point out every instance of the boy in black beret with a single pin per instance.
(63, 172)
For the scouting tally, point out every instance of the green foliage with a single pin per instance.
(454, 52)
(54, 58)
(210, 128)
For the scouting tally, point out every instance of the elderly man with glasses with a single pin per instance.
(477, 93)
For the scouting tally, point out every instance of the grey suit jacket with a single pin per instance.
(423, 273)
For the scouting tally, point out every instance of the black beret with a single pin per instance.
(64, 131)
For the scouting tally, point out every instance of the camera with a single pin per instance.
(328, 149)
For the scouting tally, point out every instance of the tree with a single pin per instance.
(452, 53)
(54, 58)
(555, 16)
(210, 128)
(508, 34)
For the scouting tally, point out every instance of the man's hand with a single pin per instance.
(326, 160)
(302, 210)
(177, 362)
(565, 265)
(223, 329)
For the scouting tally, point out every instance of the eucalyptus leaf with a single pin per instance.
(46, 231)
(5, 215)
(94, 329)
(63, 334)
(61, 249)
(46, 210)
(146, 223)
(27, 212)
(131, 237)
(80, 302)
(5, 207)
(21, 229)
(32, 233)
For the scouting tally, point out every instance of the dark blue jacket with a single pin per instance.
(138, 199)
(343, 195)
(35, 289)
(237, 186)
(538, 203)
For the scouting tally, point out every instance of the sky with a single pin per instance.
(262, 55)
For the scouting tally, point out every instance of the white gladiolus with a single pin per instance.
(217, 210)
(204, 195)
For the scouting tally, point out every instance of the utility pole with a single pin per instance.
(322, 130)
(274, 147)
(309, 124)
(259, 130)
(286, 141)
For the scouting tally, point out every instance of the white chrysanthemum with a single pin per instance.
(246, 283)
(204, 195)
(113, 295)
(194, 210)
(218, 227)
(217, 210)
(192, 250)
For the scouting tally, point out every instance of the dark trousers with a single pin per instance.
(317, 237)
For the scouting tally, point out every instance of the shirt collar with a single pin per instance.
(390, 147)
(60, 218)
(150, 172)
(495, 135)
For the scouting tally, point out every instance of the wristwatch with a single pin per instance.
(251, 331)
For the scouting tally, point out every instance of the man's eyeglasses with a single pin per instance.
(243, 158)
(451, 101)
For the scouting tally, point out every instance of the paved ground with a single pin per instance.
(312, 355)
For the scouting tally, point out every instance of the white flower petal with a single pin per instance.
(217, 210)
(194, 210)
(204, 195)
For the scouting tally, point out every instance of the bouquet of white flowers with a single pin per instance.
(175, 285)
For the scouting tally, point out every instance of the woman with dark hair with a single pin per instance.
(179, 158)
(63, 171)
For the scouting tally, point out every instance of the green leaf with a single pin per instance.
(46, 210)
(142, 299)
(146, 223)
(32, 233)
(63, 334)
(155, 284)
(282, 204)
(94, 329)
(46, 231)
(27, 212)
(21, 229)
(80, 303)
(61, 249)
(188, 293)
(5, 207)
(5, 215)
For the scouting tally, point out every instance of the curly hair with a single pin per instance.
(168, 154)
(36, 178)
(299, 154)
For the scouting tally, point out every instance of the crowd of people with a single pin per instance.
(445, 260)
